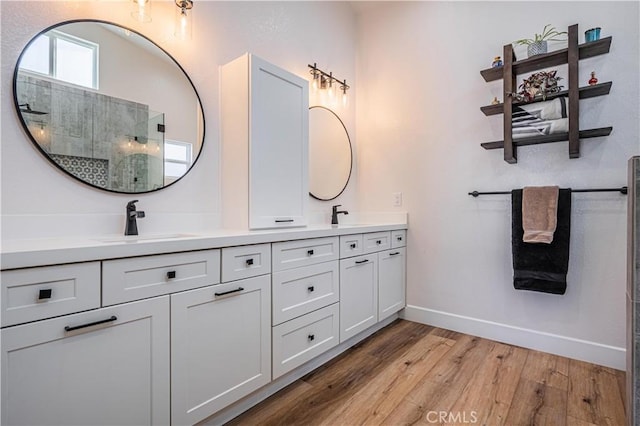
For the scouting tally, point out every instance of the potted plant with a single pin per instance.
(538, 44)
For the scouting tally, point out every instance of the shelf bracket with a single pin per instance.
(574, 95)
(509, 85)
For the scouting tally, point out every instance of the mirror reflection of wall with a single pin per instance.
(330, 154)
(108, 106)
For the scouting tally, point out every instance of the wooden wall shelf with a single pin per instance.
(557, 57)
(583, 93)
(571, 56)
(556, 137)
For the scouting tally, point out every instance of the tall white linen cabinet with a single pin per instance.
(264, 129)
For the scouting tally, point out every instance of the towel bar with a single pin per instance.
(622, 190)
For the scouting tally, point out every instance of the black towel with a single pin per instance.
(541, 267)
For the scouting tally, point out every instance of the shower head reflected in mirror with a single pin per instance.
(27, 108)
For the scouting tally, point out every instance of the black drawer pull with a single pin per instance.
(249, 262)
(283, 220)
(378, 242)
(399, 238)
(229, 292)
(311, 337)
(45, 293)
(394, 253)
(359, 262)
(91, 324)
(310, 252)
(353, 245)
(310, 289)
(171, 275)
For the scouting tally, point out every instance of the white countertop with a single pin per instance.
(39, 252)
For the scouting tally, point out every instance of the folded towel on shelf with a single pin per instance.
(547, 110)
(539, 213)
(540, 118)
(541, 267)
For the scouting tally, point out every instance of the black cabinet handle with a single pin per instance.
(353, 245)
(229, 292)
(44, 293)
(359, 262)
(379, 242)
(395, 253)
(171, 275)
(311, 337)
(399, 238)
(249, 262)
(90, 324)
(310, 289)
(283, 220)
(310, 252)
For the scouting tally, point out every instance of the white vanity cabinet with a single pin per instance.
(372, 287)
(264, 145)
(220, 345)
(305, 312)
(105, 366)
(164, 336)
(391, 282)
(358, 294)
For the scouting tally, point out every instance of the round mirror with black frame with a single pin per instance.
(108, 106)
(330, 154)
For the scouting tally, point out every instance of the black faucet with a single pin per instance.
(335, 213)
(132, 226)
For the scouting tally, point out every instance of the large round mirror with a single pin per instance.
(330, 154)
(108, 106)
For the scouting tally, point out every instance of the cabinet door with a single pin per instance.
(391, 282)
(358, 295)
(220, 346)
(110, 368)
(278, 152)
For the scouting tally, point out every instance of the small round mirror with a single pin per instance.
(330, 154)
(108, 106)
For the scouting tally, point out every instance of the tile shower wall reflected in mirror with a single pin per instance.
(123, 153)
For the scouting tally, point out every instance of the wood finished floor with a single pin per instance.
(410, 373)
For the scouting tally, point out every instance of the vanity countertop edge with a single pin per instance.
(41, 252)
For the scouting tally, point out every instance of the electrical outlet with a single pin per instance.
(397, 199)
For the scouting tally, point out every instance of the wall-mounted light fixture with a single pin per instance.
(184, 24)
(326, 81)
(141, 10)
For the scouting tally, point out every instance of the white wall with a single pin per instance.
(40, 201)
(419, 132)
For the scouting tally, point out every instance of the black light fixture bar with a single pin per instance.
(327, 78)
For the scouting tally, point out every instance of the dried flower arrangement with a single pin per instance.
(538, 84)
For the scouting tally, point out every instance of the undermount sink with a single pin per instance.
(136, 238)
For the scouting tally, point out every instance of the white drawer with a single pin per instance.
(398, 238)
(245, 261)
(37, 293)
(293, 254)
(351, 245)
(377, 241)
(299, 291)
(134, 278)
(302, 339)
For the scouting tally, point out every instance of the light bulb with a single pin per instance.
(183, 25)
(141, 10)
(345, 99)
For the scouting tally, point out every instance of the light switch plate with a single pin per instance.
(397, 199)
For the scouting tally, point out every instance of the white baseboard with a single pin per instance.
(584, 350)
(263, 393)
